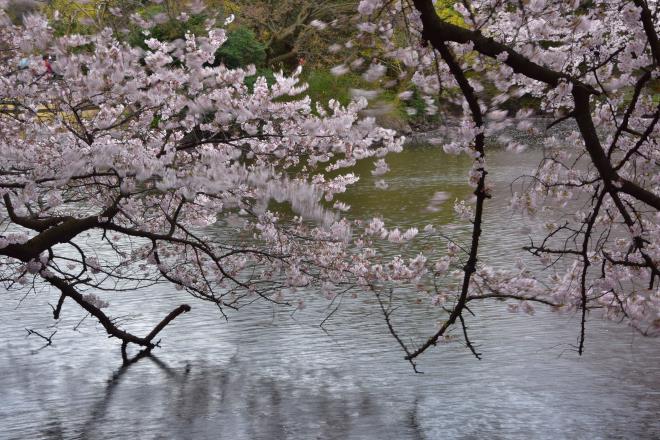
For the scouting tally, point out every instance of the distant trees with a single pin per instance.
(292, 29)
(16, 9)
(242, 49)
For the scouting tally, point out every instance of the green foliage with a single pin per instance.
(420, 118)
(417, 103)
(74, 17)
(324, 86)
(654, 85)
(262, 71)
(241, 49)
(446, 12)
(17, 9)
(169, 30)
(175, 29)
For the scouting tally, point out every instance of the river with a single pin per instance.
(266, 374)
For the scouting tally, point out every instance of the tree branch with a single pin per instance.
(108, 324)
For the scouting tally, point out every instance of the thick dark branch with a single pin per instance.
(650, 29)
(613, 182)
(480, 193)
(438, 32)
(641, 194)
(585, 267)
(35, 224)
(183, 308)
(58, 308)
(107, 323)
(62, 232)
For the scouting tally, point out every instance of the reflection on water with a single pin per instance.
(268, 375)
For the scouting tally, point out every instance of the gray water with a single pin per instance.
(270, 374)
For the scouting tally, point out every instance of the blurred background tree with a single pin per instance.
(272, 35)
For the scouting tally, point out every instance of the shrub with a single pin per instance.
(241, 49)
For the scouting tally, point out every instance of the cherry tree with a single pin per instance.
(115, 159)
(116, 162)
(594, 64)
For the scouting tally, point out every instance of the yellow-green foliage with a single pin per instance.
(324, 86)
(82, 16)
(655, 88)
(74, 16)
(446, 12)
(74, 9)
(225, 7)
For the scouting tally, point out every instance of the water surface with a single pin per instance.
(267, 374)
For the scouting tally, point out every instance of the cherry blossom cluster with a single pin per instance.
(117, 160)
(592, 69)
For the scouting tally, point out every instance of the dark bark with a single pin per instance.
(147, 342)
(438, 32)
(649, 29)
(480, 193)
